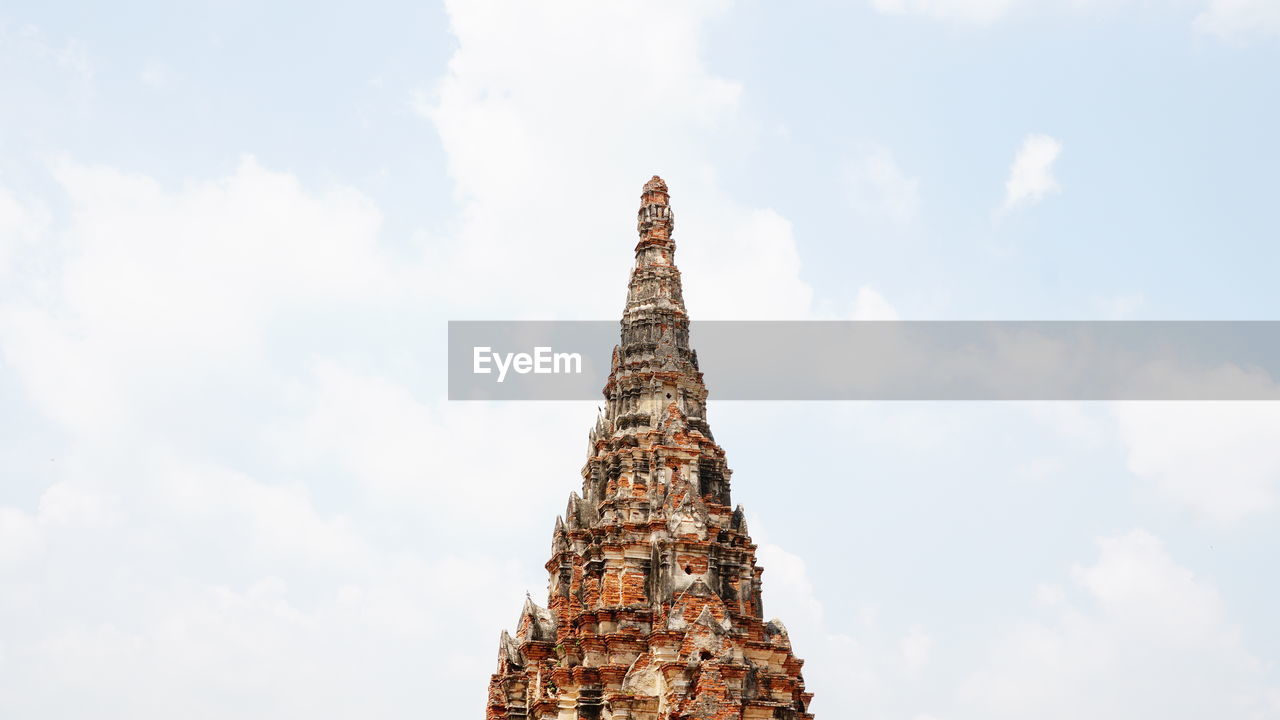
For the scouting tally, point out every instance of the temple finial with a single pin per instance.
(655, 221)
(655, 191)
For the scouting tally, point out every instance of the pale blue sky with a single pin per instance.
(230, 237)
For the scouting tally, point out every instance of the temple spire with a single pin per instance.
(653, 604)
(655, 370)
(655, 224)
(655, 280)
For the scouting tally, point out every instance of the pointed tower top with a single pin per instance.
(655, 186)
(655, 221)
(653, 369)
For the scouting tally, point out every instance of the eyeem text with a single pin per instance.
(541, 362)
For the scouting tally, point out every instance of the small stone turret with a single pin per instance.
(654, 610)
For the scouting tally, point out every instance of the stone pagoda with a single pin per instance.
(654, 610)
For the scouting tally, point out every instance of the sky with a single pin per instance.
(231, 235)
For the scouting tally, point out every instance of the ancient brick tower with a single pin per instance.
(654, 610)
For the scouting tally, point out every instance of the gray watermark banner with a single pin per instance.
(888, 360)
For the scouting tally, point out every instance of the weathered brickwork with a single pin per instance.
(654, 609)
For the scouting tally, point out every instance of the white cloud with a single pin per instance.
(155, 285)
(245, 514)
(1216, 459)
(156, 75)
(1147, 638)
(1040, 469)
(404, 451)
(160, 307)
(269, 649)
(20, 224)
(184, 560)
(1240, 20)
(853, 663)
(47, 82)
(1236, 21)
(880, 189)
(237, 521)
(1120, 307)
(12, 218)
(554, 116)
(1084, 424)
(20, 537)
(23, 536)
(917, 647)
(70, 56)
(1031, 174)
(977, 12)
(871, 305)
(790, 594)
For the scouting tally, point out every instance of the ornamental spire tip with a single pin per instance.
(655, 221)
